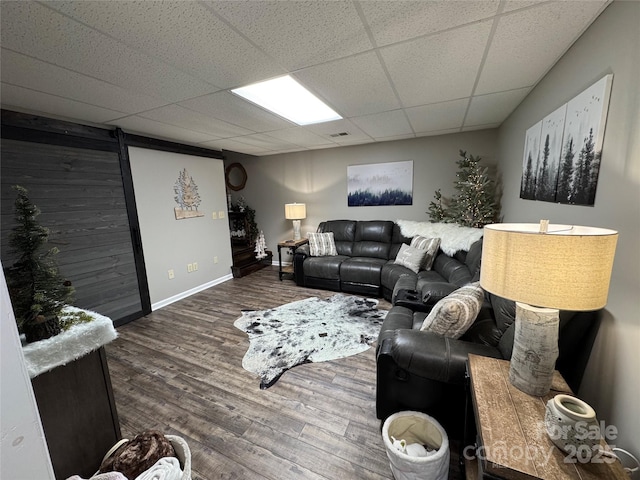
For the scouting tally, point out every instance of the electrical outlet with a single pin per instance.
(214, 215)
(195, 266)
(215, 259)
(221, 214)
(189, 267)
(171, 275)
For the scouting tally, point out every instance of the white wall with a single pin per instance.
(610, 45)
(172, 244)
(23, 450)
(319, 179)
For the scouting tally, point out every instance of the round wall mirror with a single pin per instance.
(235, 176)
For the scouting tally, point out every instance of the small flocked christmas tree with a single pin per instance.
(474, 204)
(37, 290)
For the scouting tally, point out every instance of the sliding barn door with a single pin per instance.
(82, 198)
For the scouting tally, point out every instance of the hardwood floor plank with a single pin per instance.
(179, 370)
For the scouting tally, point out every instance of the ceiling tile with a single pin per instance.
(26, 99)
(299, 136)
(495, 107)
(236, 146)
(298, 34)
(265, 141)
(37, 31)
(144, 126)
(179, 33)
(385, 124)
(527, 43)
(438, 116)
(393, 21)
(511, 5)
(185, 118)
(338, 126)
(354, 86)
(480, 127)
(437, 68)
(18, 69)
(233, 109)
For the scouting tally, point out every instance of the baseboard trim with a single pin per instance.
(188, 293)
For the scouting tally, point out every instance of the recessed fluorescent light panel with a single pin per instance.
(289, 99)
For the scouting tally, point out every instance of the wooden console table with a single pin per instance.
(512, 440)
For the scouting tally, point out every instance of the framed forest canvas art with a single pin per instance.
(563, 152)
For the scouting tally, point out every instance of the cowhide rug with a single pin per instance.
(310, 330)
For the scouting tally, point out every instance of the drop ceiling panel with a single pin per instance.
(354, 86)
(338, 126)
(236, 146)
(185, 118)
(179, 33)
(298, 34)
(145, 126)
(300, 136)
(20, 70)
(233, 109)
(393, 21)
(37, 31)
(437, 68)
(527, 43)
(385, 124)
(438, 116)
(20, 98)
(495, 107)
(266, 142)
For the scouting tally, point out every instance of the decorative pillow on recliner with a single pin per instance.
(410, 257)
(431, 245)
(453, 315)
(321, 244)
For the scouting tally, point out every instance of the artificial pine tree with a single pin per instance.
(37, 290)
(436, 208)
(475, 203)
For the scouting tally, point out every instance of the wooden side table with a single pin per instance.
(292, 245)
(512, 440)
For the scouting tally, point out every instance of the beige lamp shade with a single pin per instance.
(295, 211)
(567, 268)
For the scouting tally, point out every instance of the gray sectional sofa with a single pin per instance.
(365, 263)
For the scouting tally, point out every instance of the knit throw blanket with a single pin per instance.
(452, 237)
(310, 330)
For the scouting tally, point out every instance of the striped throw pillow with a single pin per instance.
(431, 245)
(321, 244)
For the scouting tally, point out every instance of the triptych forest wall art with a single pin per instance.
(562, 152)
(380, 184)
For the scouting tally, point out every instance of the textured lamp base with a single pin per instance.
(535, 349)
(296, 229)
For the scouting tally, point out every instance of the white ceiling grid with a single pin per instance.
(392, 69)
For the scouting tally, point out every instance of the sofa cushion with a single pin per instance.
(323, 267)
(431, 245)
(411, 257)
(344, 234)
(453, 315)
(361, 270)
(321, 244)
(452, 270)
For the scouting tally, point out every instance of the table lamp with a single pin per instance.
(295, 212)
(544, 268)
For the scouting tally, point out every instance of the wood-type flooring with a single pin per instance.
(179, 370)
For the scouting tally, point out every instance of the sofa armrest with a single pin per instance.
(432, 356)
(299, 257)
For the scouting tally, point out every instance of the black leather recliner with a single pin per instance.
(423, 371)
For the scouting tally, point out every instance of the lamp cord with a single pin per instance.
(613, 453)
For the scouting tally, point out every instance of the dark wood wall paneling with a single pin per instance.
(80, 178)
(81, 196)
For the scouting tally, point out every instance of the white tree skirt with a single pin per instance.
(78, 341)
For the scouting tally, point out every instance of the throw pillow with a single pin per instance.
(321, 244)
(453, 315)
(431, 245)
(410, 257)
